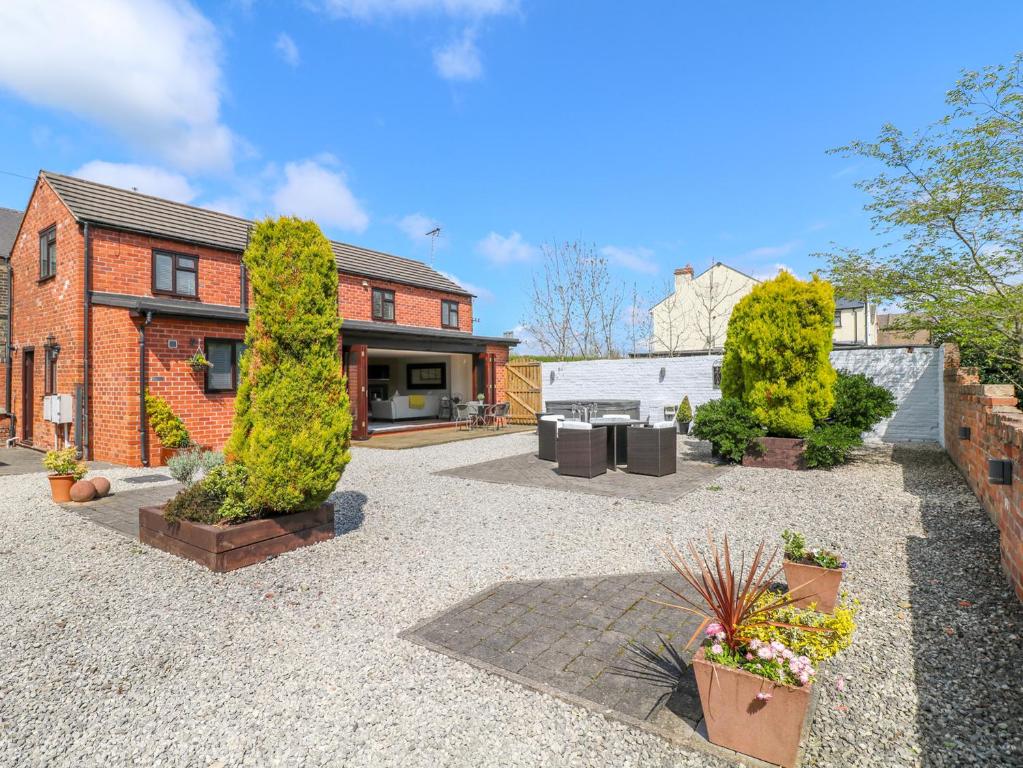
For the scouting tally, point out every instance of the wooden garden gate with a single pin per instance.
(525, 391)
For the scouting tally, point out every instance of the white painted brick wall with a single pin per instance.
(912, 376)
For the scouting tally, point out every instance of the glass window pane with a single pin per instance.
(185, 262)
(389, 309)
(53, 256)
(378, 304)
(162, 272)
(220, 374)
(186, 282)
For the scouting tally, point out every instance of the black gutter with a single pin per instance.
(143, 416)
(86, 446)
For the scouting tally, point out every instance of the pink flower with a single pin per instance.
(840, 683)
(749, 656)
(804, 677)
(766, 652)
(720, 635)
(786, 654)
(713, 629)
(763, 696)
(716, 649)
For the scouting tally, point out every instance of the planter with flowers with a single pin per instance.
(198, 361)
(65, 471)
(813, 576)
(757, 664)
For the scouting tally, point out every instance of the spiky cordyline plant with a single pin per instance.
(729, 600)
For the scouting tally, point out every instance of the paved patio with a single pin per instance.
(528, 470)
(25, 461)
(120, 511)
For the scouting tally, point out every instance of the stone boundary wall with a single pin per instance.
(913, 374)
(996, 432)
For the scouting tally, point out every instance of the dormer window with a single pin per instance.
(175, 273)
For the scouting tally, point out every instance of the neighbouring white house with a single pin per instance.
(694, 316)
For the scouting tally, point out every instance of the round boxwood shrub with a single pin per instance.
(859, 402)
(729, 425)
(829, 445)
(292, 424)
(777, 354)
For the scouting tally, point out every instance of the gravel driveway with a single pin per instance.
(116, 654)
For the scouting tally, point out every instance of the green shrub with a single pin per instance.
(190, 462)
(859, 402)
(219, 497)
(292, 424)
(65, 462)
(167, 426)
(777, 354)
(829, 445)
(796, 551)
(685, 411)
(729, 426)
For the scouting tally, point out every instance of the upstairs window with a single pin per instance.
(383, 305)
(175, 273)
(48, 252)
(225, 357)
(449, 314)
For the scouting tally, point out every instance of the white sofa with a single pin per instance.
(397, 407)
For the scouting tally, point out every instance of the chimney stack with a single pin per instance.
(683, 275)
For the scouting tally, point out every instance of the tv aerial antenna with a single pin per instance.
(433, 234)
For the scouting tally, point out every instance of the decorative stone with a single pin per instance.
(102, 486)
(83, 490)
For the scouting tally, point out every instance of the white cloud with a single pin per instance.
(415, 226)
(459, 59)
(233, 206)
(478, 290)
(506, 250)
(146, 69)
(636, 258)
(147, 179)
(313, 191)
(773, 251)
(373, 9)
(287, 49)
(769, 273)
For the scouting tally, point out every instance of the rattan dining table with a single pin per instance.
(617, 439)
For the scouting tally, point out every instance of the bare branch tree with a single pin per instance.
(575, 306)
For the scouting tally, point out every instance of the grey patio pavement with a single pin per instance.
(120, 511)
(601, 642)
(528, 470)
(25, 461)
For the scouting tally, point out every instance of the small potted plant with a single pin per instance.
(168, 426)
(755, 693)
(814, 576)
(683, 416)
(198, 361)
(65, 471)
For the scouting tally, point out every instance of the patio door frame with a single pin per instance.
(28, 358)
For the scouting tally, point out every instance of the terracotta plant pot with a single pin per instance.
(769, 730)
(813, 584)
(60, 487)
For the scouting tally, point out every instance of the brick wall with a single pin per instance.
(49, 307)
(412, 306)
(996, 432)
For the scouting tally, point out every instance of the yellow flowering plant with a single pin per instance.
(788, 621)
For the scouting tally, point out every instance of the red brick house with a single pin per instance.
(114, 291)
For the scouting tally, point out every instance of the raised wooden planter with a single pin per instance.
(775, 453)
(735, 718)
(813, 584)
(225, 548)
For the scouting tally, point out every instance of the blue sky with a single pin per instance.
(661, 132)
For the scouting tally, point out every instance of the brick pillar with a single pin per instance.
(358, 395)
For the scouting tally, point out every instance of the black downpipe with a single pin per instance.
(9, 405)
(86, 446)
(143, 416)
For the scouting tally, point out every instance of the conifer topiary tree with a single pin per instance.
(292, 424)
(777, 354)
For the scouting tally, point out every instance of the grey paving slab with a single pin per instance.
(25, 461)
(120, 511)
(528, 470)
(640, 676)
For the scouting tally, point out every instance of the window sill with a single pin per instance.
(47, 278)
(383, 320)
(173, 295)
